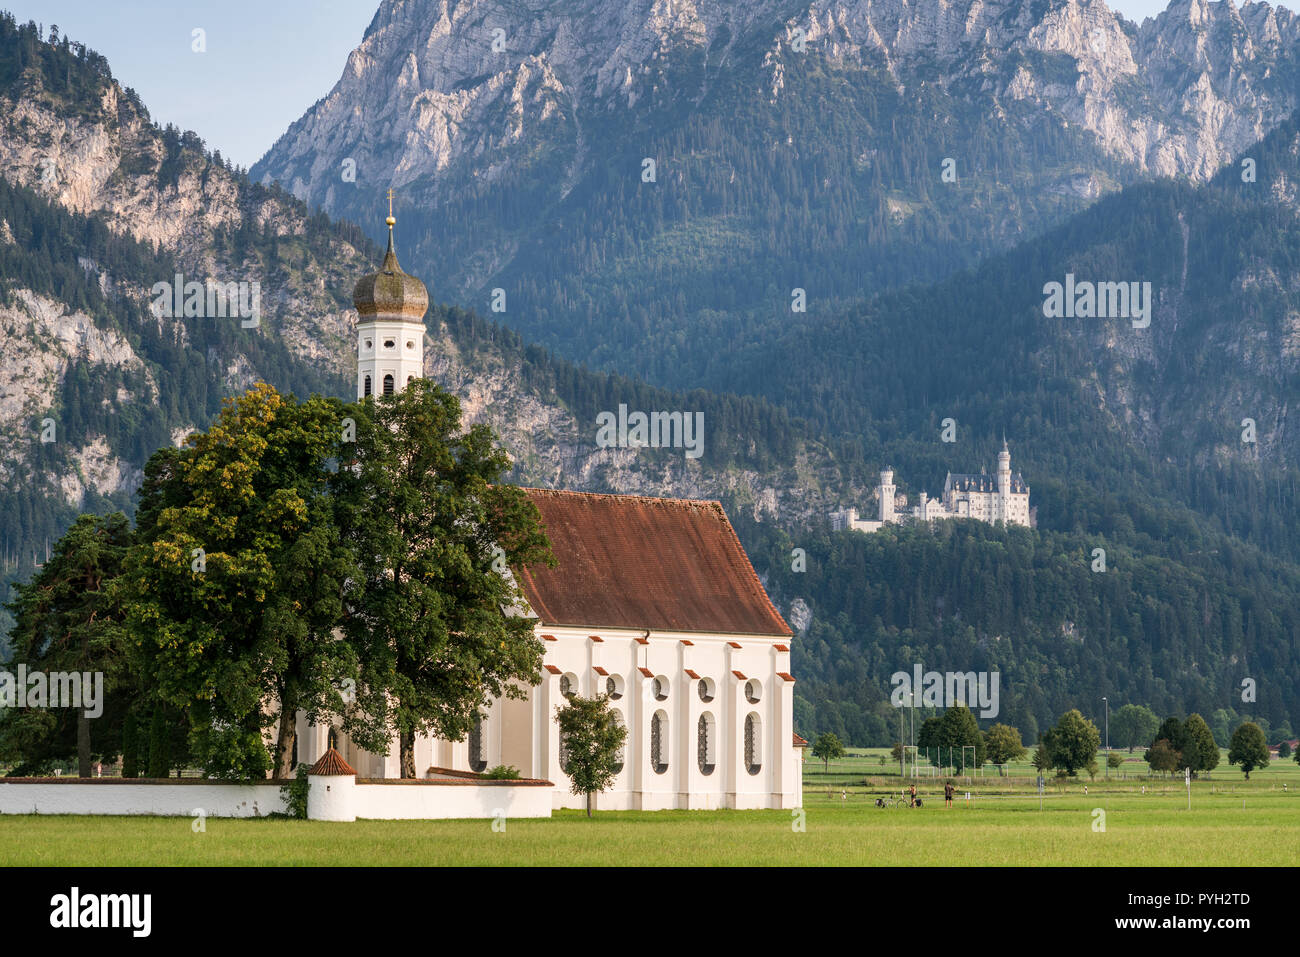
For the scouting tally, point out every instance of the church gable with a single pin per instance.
(627, 561)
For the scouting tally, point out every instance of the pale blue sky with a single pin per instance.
(267, 61)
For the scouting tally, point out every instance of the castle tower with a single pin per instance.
(390, 328)
(1004, 483)
(887, 489)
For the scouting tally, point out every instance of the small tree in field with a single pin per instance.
(592, 739)
(1004, 745)
(1042, 759)
(1113, 761)
(1162, 756)
(828, 748)
(1073, 743)
(1249, 748)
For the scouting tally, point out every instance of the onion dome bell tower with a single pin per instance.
(390, 328)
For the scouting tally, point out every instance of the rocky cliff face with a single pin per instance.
(107, 160)
(437, 83)
(799, 144)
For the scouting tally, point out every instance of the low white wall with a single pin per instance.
(414, 800)
(389, 801)
(179, 798)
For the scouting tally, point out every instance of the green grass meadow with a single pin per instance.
(1232, 822)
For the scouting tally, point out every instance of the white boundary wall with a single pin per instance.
(390, 801)
(176, 799)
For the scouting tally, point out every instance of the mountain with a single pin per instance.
(1203, 584)
(98, 204)
(796, 145)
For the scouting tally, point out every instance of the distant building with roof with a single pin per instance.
(1003, 497)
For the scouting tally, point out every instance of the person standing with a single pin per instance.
(947, 794)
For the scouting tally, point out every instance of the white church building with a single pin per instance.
(1003, 497)
(653, 602)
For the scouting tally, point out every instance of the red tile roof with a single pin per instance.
(800, 742)
(628, 561)
(600, 671)
(554, 670)
(781, 647)
(740, 676)
(692, 674)
(784, 676)
(734, 644)
(687, 641)
(331, 764)
(596, 638)
(646, 672)
(549, 638)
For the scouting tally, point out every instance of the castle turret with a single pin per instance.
(1004, 483)
(887, 489)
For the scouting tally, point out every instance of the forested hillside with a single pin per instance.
(1176, 635)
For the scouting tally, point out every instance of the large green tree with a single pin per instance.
(68, 618)
(592, 740)
(827, 748)
(1133, 725)
(1204, 753)
(1073, 743)
(959, 730)
(1174, 730)
(1162, 757)
(236, 579)
(1249, 748)
(431, 608)
(1004, 744)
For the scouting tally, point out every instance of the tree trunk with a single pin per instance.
(83, 745)
(407, 745)
(589, 796)
(284, 742)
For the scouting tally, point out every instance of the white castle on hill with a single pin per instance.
(1000, 498)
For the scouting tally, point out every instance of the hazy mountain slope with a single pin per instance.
(129, 205)
(521, 153)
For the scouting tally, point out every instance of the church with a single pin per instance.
(653, 602)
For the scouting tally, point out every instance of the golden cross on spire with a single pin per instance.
(390, 201)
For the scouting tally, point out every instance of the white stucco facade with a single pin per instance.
(744, 756)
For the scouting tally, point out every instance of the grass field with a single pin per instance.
(1232, 822)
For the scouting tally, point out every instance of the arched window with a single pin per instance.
(707, 689)
(367, 392)
(753, 691)
(614, 687)
(660, 688)
(659, 742)
(564, 752)
(753, 743)
(706, 738)
(476, 760)
(618, 758)
(410, 379)
(568, 685)
(389, 344)
(388, 384)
